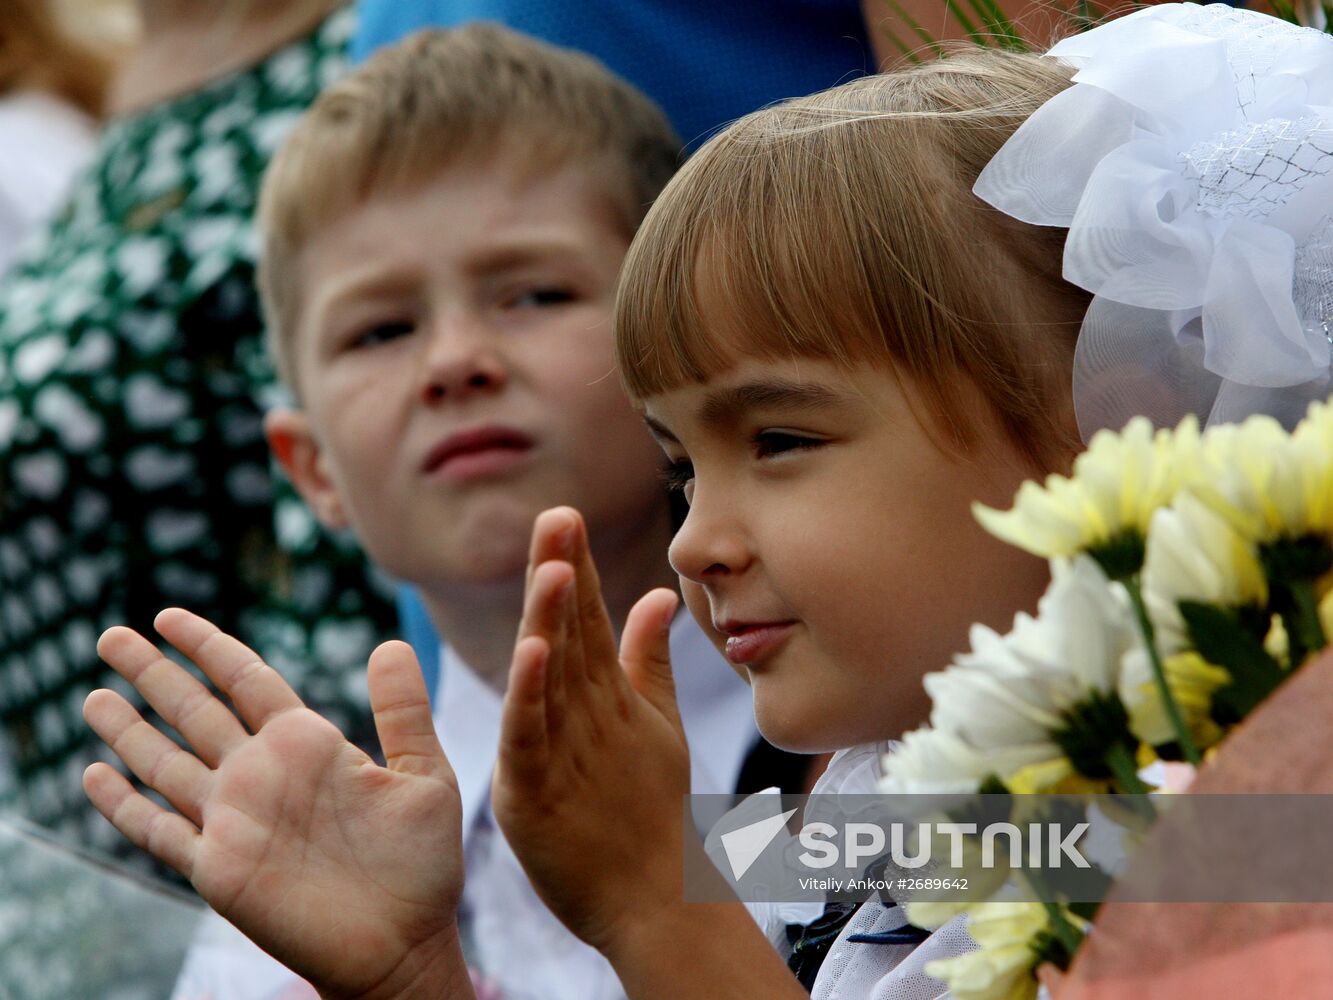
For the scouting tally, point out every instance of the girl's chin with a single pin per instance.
(796, 731)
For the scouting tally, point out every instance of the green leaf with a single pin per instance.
(1088, 910)
(1221, 637)
(915, 28)
(1001, 29)
(969, 26)
(1285, 10)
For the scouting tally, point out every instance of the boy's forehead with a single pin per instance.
(504, 218)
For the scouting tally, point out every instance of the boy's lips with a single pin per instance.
(750, 642)
(476, 452)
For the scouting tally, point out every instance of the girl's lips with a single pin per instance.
(753, 643)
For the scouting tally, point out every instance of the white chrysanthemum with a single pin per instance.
(1117, 484)
(937, 762)
(1195, 554)
(1010, 695)
(1002, 966)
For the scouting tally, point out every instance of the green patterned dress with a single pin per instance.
(133, 469)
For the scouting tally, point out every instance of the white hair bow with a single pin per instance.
(1192, 162)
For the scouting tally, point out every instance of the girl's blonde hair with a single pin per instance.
(37, 52)
(843, 226)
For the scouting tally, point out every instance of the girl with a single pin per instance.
(840, 349)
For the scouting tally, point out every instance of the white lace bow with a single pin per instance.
(1192, 162)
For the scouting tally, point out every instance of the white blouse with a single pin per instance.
(44, 142)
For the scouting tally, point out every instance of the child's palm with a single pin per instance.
(339, 867)
(593, 759)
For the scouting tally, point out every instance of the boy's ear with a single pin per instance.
(294, 446)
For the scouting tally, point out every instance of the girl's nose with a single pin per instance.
(463, 359)
(710, 545)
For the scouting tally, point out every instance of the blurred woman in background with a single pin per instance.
(133, 377)
(52, 88)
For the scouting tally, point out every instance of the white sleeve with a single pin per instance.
(223, 964)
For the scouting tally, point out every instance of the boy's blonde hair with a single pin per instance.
(438, 99)
(843, 226)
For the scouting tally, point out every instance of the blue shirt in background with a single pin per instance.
(705, 63)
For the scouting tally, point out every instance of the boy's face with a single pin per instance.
(454, 359)
(831, 544)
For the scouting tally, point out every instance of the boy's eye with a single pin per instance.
(539, 297)
(678, 476)
(769, 443)
(379, 333)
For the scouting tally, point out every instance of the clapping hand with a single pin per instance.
(347, 872)
(593, 763)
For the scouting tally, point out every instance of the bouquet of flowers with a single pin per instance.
(1192, 574)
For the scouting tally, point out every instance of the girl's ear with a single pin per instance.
(298, 452)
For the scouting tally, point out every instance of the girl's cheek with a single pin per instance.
(697, 603)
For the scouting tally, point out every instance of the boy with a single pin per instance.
(443, 233)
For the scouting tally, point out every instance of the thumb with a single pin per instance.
(645, 650)
(402, 711)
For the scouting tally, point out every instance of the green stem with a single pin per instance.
(1305, 631)
(1067, 934)
(1183, 737)
(1122, 766)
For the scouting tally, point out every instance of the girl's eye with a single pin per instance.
(770, 443)
(380, 333)
(678, 476)
(539, 297)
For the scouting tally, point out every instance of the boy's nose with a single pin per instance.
(462, 360)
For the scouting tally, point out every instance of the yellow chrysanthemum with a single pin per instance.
(1326, 613)
(1117, 484)
(933, 915)
(1053, 777)
(1313, 443)
(1269, 484)
(1276, 643)
(1001, 967)
(1192, 681)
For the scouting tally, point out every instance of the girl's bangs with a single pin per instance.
(725, 268)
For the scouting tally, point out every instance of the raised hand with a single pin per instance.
(589, 787)
(347, 872)
(593, 762)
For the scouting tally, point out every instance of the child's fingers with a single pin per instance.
(547, 611)
(552, 534)
(165, 835)
(645, 650)
(524, 739)
(402, 712)
(185, 704)
(256, 689)
(593, 637)
(158, 762)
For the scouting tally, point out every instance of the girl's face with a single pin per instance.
(830, 549)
